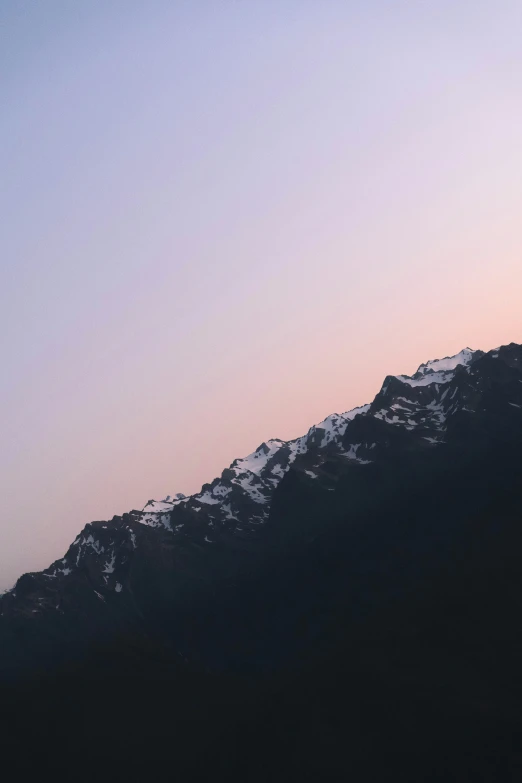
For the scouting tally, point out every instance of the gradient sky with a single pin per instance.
(223, 220)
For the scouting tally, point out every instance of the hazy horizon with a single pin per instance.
(222, 223)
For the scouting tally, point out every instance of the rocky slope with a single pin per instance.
(106, 562)
(341, 606)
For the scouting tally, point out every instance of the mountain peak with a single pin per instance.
(465, 357)
(440, 370)
(414, 409)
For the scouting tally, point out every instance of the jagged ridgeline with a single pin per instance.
(356, 587)
(239, 500)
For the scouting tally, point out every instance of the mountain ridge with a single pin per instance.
(157, 513)
(230, 512)
(366, 628)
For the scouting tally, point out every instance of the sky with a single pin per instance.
(223, 221)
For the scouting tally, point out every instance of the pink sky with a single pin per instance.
(223, 222)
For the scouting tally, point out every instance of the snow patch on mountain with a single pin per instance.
(438, 370)
(206, 497)
(464, 357)
(109, 565)
(256, 461)
(253, 479)
(351, 453)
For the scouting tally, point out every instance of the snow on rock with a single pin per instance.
(438, 370)
(155, 519)
(167, 504)
(464, 357)
(328, 430)
(240, 499)
(254, 477)
(227, 510)
(349, 415)
(109, 565)
(384, 416)
(351, 453)
(206, 497)
(256, 461)
(91, 541)
(247, 483)
(155, 506)
(250, 481)
(220, 491)
(426, 380)
(330, 427)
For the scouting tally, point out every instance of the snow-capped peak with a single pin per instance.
(240, 499)
(255, 462)
(349, 415)
(333, 426)
(248, 484)
(448, 363)
(252, 479)
(438, 370)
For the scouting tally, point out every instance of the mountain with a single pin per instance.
(343, 604)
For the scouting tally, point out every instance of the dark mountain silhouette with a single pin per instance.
(344, 606)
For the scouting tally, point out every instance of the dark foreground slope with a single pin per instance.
(371, 633)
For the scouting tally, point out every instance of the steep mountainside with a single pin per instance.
(342, 604)
(239, 501)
